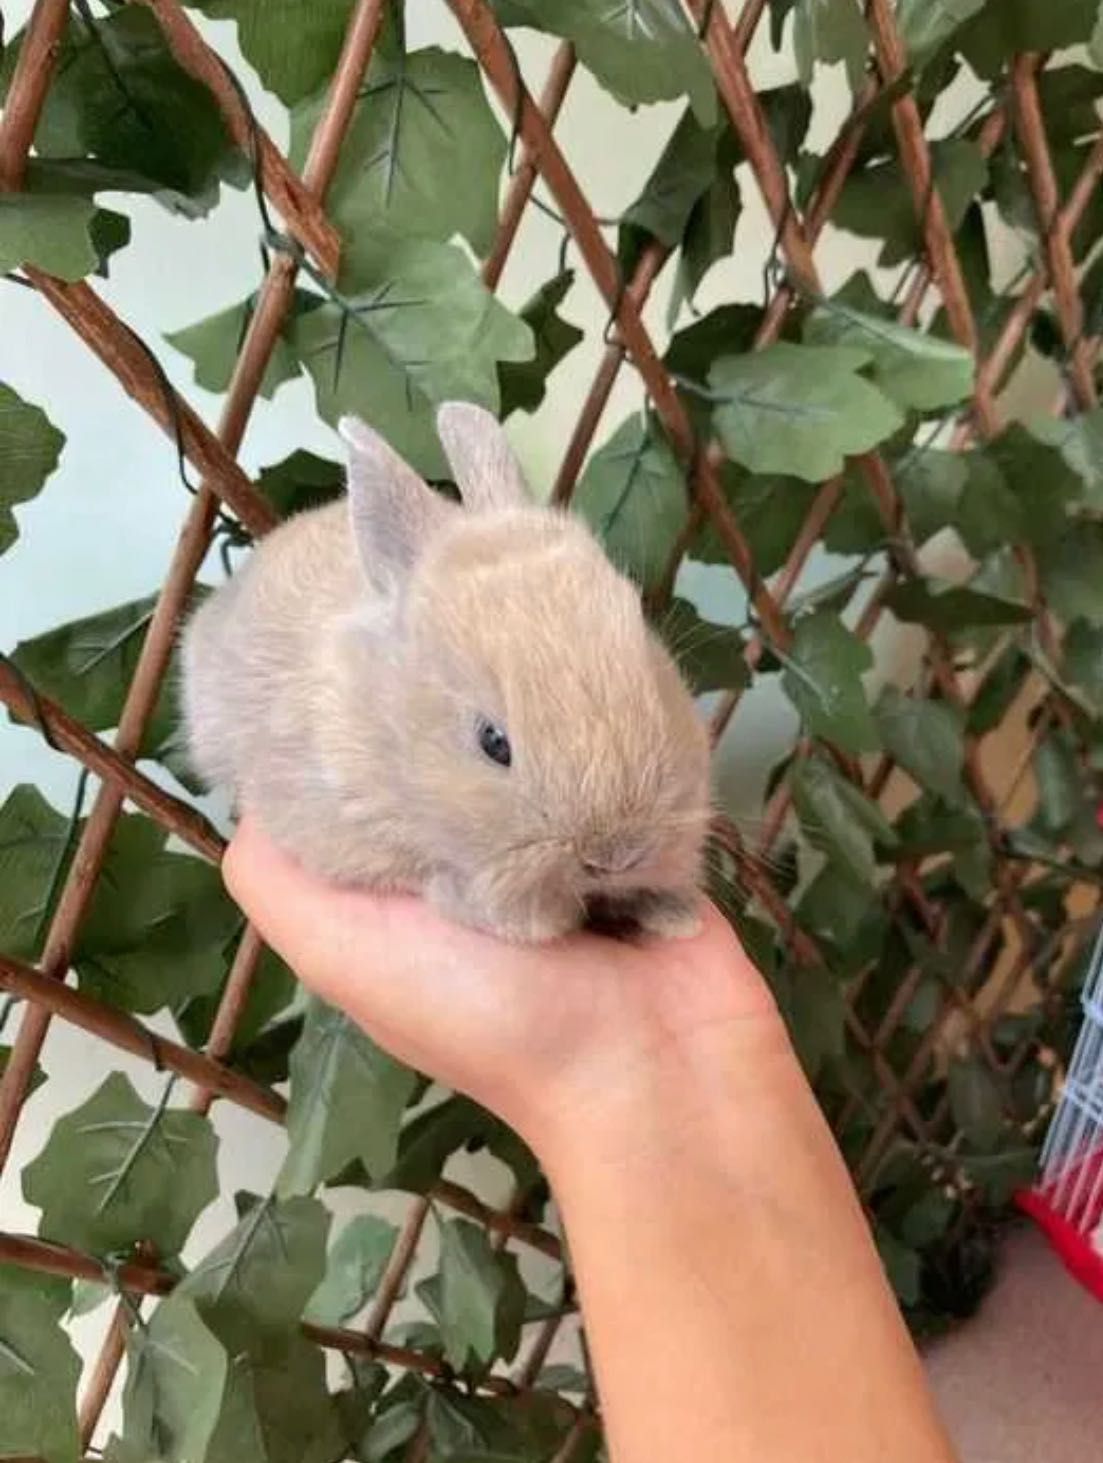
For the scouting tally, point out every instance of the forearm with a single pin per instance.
(734, 1303)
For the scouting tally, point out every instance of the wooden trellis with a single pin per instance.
(300, 201)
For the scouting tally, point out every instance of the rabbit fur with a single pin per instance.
(342, 682)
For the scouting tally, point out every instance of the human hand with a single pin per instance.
(546, 1036)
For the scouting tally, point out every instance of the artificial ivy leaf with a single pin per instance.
(640, 50)
(829, 31)
(422, 156)
(975, 1102)
(161, 925)
(523, 384)
(120, 96)
(815, 1015)
(902, 1265)
(931, 484)
(1007, 27)
(477, 1293)
(770, 512)
(212, 345)
(912, 368)
(837, 817)
(710, 231)
(428, 1140)
(30, 447)
(301, 481)
(926, 25)
(799, 410)
(988, 511)
(35, 847)
(1042, 479)
(823, 679)
(176, 1374)
(1000, 1175)
(261, 1042)
(683, 174)
(946, 607)
(926, 738)
(38, 1371)
(1071, 571)
(88, 664)
(347, 1101)
(834, 907)
(420, 329)
(1082, 653)
(1079, 440)
(354, 1268)
(53, 232)
(115, 1171)
(710, 656)
(390, 1431)
(292, 47)
(877, 203)
(258, 1280)
(633, 494)
(1061, 795)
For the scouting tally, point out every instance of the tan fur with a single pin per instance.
(335, 684)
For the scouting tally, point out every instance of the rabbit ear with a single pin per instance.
(486, 471)
(393, 513)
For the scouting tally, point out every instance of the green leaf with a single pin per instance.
(837, 817)
(829, 31)
(876, 203)
(161, 925)
(1042, 480)
(262, 1042)
(945, 607)
(1061, 793)
(1079, 439)
(1006, 27)
(684, 172)
(1082, 652)
(478, 1288)
(390, 1431)
(88, 664)
(301, 481)
(912, 368)
(256, 1282)
(931, 484)
(38, 1371)
(52, 232)
(640, 50)
(999, 1175)
(523, 384)
(120, 96)
(428, 1140)
(212, 345)
(347, 1101)
(1071, 572)
(823, 679)
(30, 447)
(710, 656)
(926, 25)
(293, 47)
(35, 848)
(770, 511)
(975, 1102)
(354, 1269)
(815, 1014)
(422, 330)
(901, 1264)
(422, 156)
(633, 494)
(926, 738)
(799, 410)
(834, 907)
(115, 1171)
(176, 1374)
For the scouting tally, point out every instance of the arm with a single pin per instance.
(735, 1304)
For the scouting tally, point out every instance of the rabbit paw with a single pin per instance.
(668, 915)
(531, 923)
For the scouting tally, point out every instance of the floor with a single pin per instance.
(1023, 1381)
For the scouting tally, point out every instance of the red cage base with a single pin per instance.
(1079, 1255)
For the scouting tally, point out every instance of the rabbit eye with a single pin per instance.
(494, 743)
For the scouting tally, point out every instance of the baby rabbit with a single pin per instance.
(462, 700)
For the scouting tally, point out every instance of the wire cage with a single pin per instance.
(905, 1022)
(1067, 1199)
